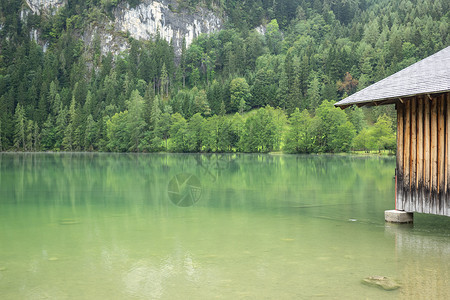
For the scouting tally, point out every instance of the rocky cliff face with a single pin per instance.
(37, 6)
(144, 21)
(150, 17)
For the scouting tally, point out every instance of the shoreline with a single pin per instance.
(274, 153)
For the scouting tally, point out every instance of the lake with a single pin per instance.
(234, 226)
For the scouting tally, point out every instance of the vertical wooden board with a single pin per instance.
(447, 155)
(406, 157)
(420, 169)
(434, 155)
(413, 166)
(426, 157)
(441, 156)
(399, 183)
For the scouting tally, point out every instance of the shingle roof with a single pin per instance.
(428, 76)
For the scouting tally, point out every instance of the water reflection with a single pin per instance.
(286, 226)
(66, 179)
(423, 262)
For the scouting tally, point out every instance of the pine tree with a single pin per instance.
(42, 109)
(29, 131)
(314, 93)
(88, 104)
(264, 89)
(222, 110)
(201, 103)
(155, 117)
(48, 134)
(162, 131)
(155, 113)
(1, 136)
(52, 98)
(283, 90)
(36, 137)
(164, 81)
(90, 133)
(61, 124)
(295, 95)
(183, 61)
(20, 128)
(215, 96)
(70, 137)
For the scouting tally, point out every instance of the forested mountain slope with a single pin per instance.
(71, 80)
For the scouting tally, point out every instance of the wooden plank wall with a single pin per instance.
(423, 154)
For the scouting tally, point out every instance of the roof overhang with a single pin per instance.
(386, 101)
(426, 77)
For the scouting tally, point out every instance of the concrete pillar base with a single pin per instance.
(398, 216)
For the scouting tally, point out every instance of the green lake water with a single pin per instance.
(105, 226)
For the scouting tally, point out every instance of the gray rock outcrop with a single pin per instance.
(150, 17)
(144, 22)
(38, 6)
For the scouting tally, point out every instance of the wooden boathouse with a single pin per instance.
(421, 95)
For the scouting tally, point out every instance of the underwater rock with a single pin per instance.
(383, 282)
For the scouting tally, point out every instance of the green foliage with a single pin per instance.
(298, 138)
(239, 94)
(71, 132)
(327, 128)
(136, 123)
(262, 130)
(48, 134)
(194, 133)
(356, 117)
(379, 137)
(273, 36)
(116, 129)
(90, 133)
(264, 88)
(1, 131)
(72, 97)
(343, 137)
(20, 127)
(178, 132)
(162, 131)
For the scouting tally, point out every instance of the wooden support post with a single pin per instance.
(434, 155)
(406, 158)
(420, 158)
(413, 166)
(426, 157)
(441, 156)
(400, 142)
(447, 156)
